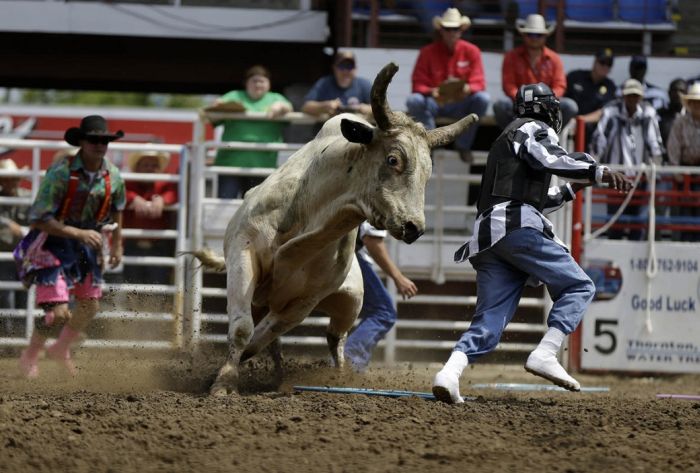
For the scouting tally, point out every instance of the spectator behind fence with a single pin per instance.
(145, 204)
(514, 245)
(76, 198)
(256, 97)
(591, 89)
(668, 115)
(341, 91)
(684, 149)
(628, 134)
(653, 94)
(448, 79)
(12, 217)
(530, 63)
(378, 314)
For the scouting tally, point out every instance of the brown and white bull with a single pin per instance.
(290, 246)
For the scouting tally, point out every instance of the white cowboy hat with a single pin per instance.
(8, 164)
(452, 18)
(633, 87)
(133, 159)
(693, 93)
(534, 24)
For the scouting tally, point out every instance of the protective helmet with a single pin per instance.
(539, 102)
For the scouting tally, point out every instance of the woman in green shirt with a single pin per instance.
(256, 97)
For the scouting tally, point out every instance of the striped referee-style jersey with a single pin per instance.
(538, 145)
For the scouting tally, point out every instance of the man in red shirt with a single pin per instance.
(448, 79)
(146, 203)
(530, 63)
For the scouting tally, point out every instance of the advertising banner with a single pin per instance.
(628, 329)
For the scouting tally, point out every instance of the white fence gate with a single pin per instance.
(198, 305)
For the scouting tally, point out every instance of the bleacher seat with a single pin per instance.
(528, 7)
(642, 11)
(589, 10)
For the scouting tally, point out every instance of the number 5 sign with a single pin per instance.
(627, 329)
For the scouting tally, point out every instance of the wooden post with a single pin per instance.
(373, 34)
(559, 34)
(343, 23)
(542, 6)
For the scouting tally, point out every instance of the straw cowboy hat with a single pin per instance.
(693, 93)
(452, 18)
(91, 126)
(133, 159)
(534, 24)
(8, 164)
(632, 87)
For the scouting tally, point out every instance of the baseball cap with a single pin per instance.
(632, 87)
(638, 61)
(604, 56)
(344, 57)
(257, 70)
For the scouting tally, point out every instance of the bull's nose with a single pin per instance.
(411, 233)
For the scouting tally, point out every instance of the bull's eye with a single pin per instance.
(392, 161)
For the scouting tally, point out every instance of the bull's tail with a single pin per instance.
(209, 259)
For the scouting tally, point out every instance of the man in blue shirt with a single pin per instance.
(378, 314)
(341, 91)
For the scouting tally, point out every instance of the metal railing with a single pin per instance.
(174, 290)
(202, 222)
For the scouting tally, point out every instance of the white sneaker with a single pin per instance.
(546, 365)
(446, 388)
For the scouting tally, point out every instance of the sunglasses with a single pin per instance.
(345, 66)
(97, 140)
(535, 35)
(452, 29)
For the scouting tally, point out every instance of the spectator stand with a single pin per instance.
(587, 25)
(145, 329)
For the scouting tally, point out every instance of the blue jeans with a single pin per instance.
(424, 109)
(501, 274)
(377, 317)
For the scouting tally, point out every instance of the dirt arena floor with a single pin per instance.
(124, 414)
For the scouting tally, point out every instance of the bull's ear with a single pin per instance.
(356, 132)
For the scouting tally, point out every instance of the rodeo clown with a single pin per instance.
(76, 198)
(513, 242)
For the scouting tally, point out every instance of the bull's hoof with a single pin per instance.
(222, 390)
(218, 391)
(225, 382)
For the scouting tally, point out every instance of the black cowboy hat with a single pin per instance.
(92, 125)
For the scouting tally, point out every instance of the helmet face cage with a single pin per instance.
(539, 102)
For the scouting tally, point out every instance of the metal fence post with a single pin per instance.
(195, 228)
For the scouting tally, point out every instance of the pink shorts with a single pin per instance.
(59, 293)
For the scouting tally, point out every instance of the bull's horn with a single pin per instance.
(447, 134)
(380, 107)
